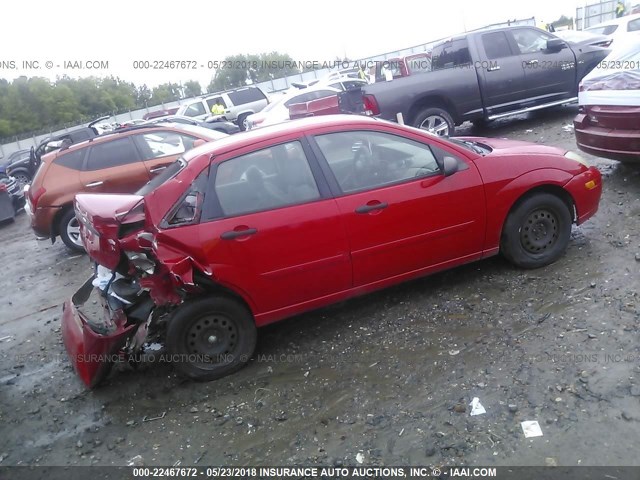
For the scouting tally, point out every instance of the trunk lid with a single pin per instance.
(101, 218)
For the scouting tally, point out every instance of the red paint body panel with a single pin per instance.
(90, 352)
(609, 131)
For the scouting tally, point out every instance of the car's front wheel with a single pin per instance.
(537, 231)
(22, 178)
(69, 230)
(436, 121)
(211, 337)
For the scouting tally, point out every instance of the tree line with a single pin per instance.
(35, 103)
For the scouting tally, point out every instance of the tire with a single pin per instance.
(69, 231)
(192, 328)
(241, 120)
(23, 178)
(537, 231)
(435, 120)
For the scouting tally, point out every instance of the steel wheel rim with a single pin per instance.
(22, 179)
(436, 124)
(73, 231)
(213, 339)
(539, 232)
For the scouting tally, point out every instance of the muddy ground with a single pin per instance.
(388, 376)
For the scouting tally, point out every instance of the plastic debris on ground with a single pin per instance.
(476, 407)
(531, 428)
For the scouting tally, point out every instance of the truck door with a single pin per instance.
(503, 85)
(549, 75)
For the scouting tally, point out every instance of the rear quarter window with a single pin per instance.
(73, 160)
(451, 54)
(247, 95)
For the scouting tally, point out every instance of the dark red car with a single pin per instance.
(608, 124)
(258, 227)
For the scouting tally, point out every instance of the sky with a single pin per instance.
(201, 31)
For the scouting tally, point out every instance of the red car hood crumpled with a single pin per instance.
(515, 147)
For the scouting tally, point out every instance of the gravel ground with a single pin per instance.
(382, 379)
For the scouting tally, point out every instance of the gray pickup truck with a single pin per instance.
(485, 75)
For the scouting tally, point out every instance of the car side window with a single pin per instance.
(530, 41)
(365, 160)
(212, 101)
(163, 143)
(452, 53)
(496, 45)
(195, 109)
(73, 160)
(274, 177)
(112, 154)
(634, 25)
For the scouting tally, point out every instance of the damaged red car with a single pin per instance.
(262, 226)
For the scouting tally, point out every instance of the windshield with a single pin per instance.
(169, 172)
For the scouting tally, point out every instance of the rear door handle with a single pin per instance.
(493, 69)
(94, 184)
(371, 206)
(232, 234)
(532, 62)
(157, 169)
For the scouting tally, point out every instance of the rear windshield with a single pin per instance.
(248, 95)
(604, 30)
(169, 172)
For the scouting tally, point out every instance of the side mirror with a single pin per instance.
(450, 166)
(555, 44)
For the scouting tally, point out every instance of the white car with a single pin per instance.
(620, 30)
(278, 110)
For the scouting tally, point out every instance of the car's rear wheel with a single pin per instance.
(211, 337)
(436, 121)
(537, 231)
(69, 230)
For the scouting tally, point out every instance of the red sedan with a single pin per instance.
(258, 227)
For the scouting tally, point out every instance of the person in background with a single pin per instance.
(620, 9)
(217, 108)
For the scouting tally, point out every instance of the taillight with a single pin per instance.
(3, 187)
(370, 105)
(34, 195)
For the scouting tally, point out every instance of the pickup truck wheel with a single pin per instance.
(69, 230)
(436, 121)
(211, 337)
(537, 231)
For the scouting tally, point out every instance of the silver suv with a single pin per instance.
(238, 105)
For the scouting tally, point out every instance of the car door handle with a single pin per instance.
(531, 62)
(232, 234)
(493, 68)
(157, 169)
(371, 206)
(94, 184)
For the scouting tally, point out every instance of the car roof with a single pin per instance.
(302, 126)
(108, 136)
(616, 21)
